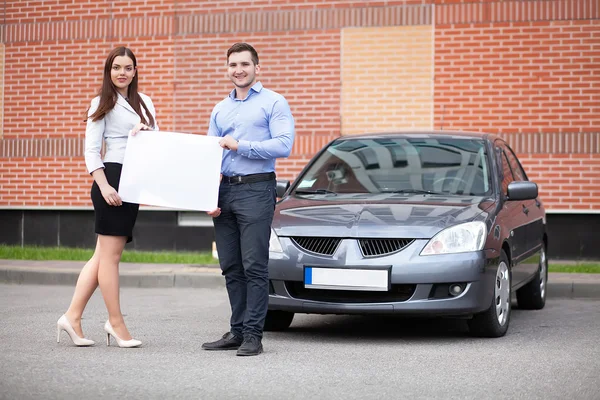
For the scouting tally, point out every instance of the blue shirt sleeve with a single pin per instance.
(213, 130)
(281, 127)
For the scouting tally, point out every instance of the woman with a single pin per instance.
(119, 110)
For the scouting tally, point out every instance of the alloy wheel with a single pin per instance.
(502, 293)
(543, 273)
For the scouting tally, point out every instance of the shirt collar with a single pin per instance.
(257, 87)
(121, 100)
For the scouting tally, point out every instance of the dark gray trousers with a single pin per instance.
(242, 235)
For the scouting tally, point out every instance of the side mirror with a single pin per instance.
(282, 187)
(522, 190)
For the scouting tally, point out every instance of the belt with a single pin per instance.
(236, 180)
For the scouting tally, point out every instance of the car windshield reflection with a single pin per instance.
(448, 166)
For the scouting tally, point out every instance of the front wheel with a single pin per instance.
(278, 320)
(533, 295)
(494, 321)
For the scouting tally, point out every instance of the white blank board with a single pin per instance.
(172, 169)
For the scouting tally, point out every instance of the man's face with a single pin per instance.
(241, 69)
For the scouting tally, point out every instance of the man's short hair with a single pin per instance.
(240, 47)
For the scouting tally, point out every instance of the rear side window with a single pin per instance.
(507, 176)
(515, 166)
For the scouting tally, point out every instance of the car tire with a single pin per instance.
(494, 321)
(278, 320)
(533, 295)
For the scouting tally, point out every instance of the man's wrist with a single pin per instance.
(242, 144)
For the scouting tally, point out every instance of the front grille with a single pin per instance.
(318, 245)
(396, 293)
(382, 247)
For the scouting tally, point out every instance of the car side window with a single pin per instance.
(515, 165)
(507, 175)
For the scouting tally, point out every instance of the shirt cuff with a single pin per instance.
(243, 148)
(93, 165)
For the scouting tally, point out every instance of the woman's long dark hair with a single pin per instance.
(109, 95)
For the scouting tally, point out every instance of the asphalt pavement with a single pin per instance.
(560, 285)
(549, 354)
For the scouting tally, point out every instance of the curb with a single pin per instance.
(560, 285)
(155, 277)
(33, 277)
(573, 290)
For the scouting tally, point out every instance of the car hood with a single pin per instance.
(296, 216)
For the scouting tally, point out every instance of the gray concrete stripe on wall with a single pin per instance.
(526, 143)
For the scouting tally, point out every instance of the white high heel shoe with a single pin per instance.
(122, 343)
(63, 324)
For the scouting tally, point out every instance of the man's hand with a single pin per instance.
(214, 213)
(229, 143)
(139, 127)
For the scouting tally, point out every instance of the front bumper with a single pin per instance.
(419, 283)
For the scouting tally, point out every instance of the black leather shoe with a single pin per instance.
(252, 346)
(228, 342)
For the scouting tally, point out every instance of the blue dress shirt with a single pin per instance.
(263, 125)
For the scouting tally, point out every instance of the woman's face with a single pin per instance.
(121, 73)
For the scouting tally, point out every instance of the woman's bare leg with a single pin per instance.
(111, 248)
(86, 285)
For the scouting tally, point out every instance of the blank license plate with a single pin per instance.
(346, 279)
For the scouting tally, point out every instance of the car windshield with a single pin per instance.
(455, 166)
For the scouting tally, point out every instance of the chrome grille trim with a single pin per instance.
(318, 245)
(382, 247)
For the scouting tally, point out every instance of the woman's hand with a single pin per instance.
(217, 211)
(139, 127)
(110, 195)
(214, 213)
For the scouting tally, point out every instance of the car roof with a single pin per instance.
(423, 134)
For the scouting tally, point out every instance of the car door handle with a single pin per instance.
(525, 210)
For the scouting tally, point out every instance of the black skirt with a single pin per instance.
(113, 220)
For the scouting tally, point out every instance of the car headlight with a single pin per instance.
(461, 238)
(274, 244)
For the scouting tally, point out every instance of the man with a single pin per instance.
(256, 127)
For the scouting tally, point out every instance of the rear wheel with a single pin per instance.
(494, 321)
(533, 295)
(278, 320)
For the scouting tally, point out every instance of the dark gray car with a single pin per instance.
(438, 223)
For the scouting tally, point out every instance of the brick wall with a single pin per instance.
(566, 181)
(537, 84)
(526, 69)
(519, 77)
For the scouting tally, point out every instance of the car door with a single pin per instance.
(512, 218)
(534, 212)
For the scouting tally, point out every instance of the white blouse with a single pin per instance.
(113, 129)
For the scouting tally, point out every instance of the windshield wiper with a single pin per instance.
(418, 191)
(316, 191)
